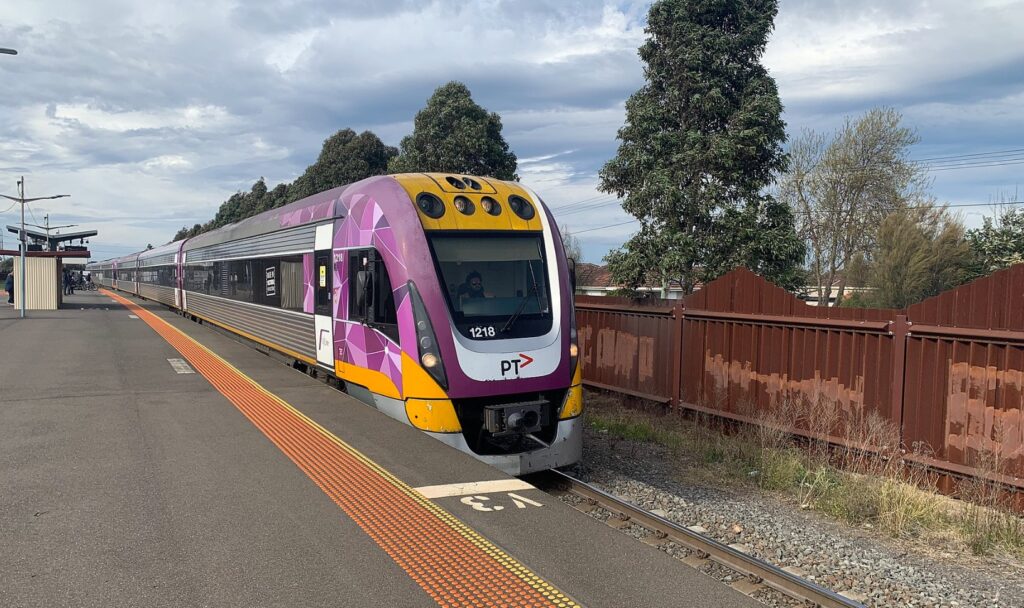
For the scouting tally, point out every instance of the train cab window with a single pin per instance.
(371, 297)
(496, 286)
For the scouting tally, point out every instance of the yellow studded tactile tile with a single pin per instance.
(451, 562)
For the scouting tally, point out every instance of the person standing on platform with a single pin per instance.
(9, 287)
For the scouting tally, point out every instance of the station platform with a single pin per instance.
(146, 460)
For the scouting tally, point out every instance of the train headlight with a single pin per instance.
(426, 340)
(430, 205)
(574, 341)
(490, 205)
(464, 205)
(521, 207)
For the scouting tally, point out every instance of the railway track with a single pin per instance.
(757, 572)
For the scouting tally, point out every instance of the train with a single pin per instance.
(445, 301)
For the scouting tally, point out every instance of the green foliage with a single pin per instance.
(701, 144)
(918, 253)
(344, 158)
(454, 134)
(998, 243)
(781, 469)
(843, 186)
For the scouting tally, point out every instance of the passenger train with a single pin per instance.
(445, 301)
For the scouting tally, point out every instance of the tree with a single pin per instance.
(919, 253)
(844, 186)
(571, 244)
(701, 144)
(344, 158)
(453, 134)
(999, 242)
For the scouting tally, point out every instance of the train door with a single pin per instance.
(176, 281)
(323, 282)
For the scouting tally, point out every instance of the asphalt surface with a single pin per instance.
(124, 483)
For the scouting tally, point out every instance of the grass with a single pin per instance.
(877, 489)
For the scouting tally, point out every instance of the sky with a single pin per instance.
(150, 114)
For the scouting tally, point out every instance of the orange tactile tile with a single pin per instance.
(451, 562)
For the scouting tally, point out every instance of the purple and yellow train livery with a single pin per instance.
(444, 301)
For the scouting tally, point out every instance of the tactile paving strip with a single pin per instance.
(451, 562)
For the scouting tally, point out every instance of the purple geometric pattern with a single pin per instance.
(308, 214)
(372, 350)
(308, 298)
(366, 226)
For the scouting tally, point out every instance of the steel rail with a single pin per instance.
(756, 569)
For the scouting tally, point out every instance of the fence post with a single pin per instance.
(899, 375)
(677, 354)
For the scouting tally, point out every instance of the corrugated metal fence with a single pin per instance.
(948, 373)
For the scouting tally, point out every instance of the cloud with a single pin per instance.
(161, 110)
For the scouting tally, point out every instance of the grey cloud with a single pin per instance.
(293, 15)
(117, 65)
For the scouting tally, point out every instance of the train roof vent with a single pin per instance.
(455, 182)
(461, 184)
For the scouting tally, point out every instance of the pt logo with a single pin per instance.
(514, 365)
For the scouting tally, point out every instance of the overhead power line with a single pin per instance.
(977, 160)
(954, 156)
(957, 206)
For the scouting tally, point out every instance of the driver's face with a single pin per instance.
(476, 284)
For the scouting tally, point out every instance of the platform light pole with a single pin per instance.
(23, 237)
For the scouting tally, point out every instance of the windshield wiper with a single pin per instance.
(522, 303)
(515, 315)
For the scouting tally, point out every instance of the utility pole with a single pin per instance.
(47, 227)
(23, 237)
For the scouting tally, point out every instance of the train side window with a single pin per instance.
(289, 282)
(371, 298)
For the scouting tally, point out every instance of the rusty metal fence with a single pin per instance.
(946, 374)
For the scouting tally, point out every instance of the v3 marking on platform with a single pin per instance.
(451, 562)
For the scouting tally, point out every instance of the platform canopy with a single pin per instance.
(53, 241)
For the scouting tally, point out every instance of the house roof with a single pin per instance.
(593, 275)
(598, 276)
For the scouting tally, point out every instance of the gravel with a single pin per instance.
(874, 570)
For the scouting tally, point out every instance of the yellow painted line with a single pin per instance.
(451, 562)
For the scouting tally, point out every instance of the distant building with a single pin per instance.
(596, 280)
(809, 294)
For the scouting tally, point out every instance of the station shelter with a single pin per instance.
(47, 257)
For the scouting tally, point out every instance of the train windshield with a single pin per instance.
(496, 286)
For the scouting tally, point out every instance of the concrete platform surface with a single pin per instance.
(125, 483)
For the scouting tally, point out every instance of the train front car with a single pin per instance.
(468, 276)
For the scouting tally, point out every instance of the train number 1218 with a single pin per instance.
(482, 332)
